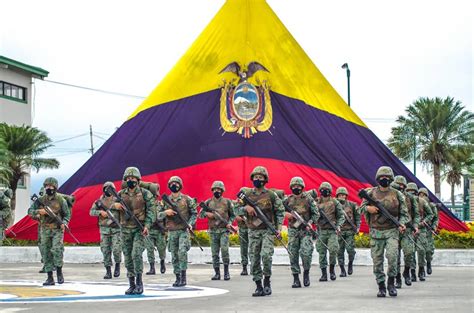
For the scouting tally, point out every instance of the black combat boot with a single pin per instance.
(306, 281)
(217, 275)
(117, 270)
(413, 274)
(332, 273)
(162, 267)
(267, 288)
(178, 280)
(406, 276)
(349, 267)
(343, 271)
(392, 291)
(398, 281)
(108, 273)
(244, 270)
(182, 281)
(296, 281)
(59, 273)
(226, 272)
(139, 285)
(421, 273)
(131, 284)
(50, 280)
(152, 269)
(324, 275)
(259, 291)
(428, 268)
(42, 270)
(382, 290)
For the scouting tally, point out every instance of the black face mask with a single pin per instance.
(258, 183)
(325, 192)
(50, 192)
(341, 201)
(174, 188)
(217, 194)
(296, 191)
(401, 188)
(106, 193)
(384, 182)
(131, 184)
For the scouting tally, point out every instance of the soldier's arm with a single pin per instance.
(356, 214)
(435, 220)
(279, 212)
(340, 218)
(192, 206)
(231, 212)
(161, 211)
(404, 216)
(416, 217)
(202, 213)
(314, 215)
(150, 208)
(66, 212)
(94, 211)
(33, 210)
(363, 210)
(428, 213)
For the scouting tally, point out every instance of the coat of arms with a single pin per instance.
(245, 108)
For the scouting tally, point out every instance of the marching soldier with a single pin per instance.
(52, 235)
(330, 207)
(5, 212)
(423, 193)
(37, 218)
(110, 234)
(141, 203)
(351, 213)
(384, 235)
(218, 231)
(179, 241)
(261, 239)
(300, 240)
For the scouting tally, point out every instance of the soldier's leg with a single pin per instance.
(57, 247)
(422, 242)
(322, 250)
(46, 245)
(350, 247)
(341, 251)
(184, 246)
(215, 245)
(429, 251)
(244, 246)
(173, 247)
(392, 243)
(150, 249)
(106, 248)
(225, 253)
(306, 252)
(40, 249)
(161, 246)
(268, 240)
(255, 241)
(137, 251)
(117, 247)
(127, 246)
(377, 247)
(294, 248)
(333, 249)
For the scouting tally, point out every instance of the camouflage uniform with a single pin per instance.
(5, 212)
(52, 236)
(423, 193)
(261, 239)
(347, 233)
(110, 234)
(384, 235)
(179, 241)
(157, 239)
(300, 241)
(244, 242)
(327, 234)
(218, 231)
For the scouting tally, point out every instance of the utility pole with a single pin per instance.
(92, 142)
(348, 72)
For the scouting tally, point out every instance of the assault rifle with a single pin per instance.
(333, 226)
(102, 207)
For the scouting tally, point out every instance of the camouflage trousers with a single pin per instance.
(39, 244)
(300, 243)
(430, 246)
(219, 243)
(408, 248)
(2, 234)
(329, 238)
(111, 243)
(348, 236)
(244, 245)
(261, 251)
(384, 241)
(179, 244)
(158, 240)
(52, 244)
(422, 245)
(133, 245)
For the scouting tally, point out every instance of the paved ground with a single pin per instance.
(447, 290)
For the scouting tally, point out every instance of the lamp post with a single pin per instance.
(348, 72)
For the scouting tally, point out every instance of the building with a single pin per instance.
(16, 107)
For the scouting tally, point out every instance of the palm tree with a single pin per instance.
(434, 128)
(3, 157)
(460, 163)
(24, 146)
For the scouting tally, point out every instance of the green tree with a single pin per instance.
(461, 162)
(434, 128)
(23, 147)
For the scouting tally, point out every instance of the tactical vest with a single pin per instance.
(265, 202)
(329, 207)
(136, 203)
(174, 222)
(390, 201)
(158, 225)
(421, 208)
(302, 206)
(55, 205)
(222, 206)
(347, 207)
(107, 203)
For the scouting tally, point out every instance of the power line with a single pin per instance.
(95, 89)
(70, 138)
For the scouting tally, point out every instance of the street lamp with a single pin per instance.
(348, 72)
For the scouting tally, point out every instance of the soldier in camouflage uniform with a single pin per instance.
(52, 235)
(179, 241)
(384, 235)
(142, 204)
(110, 234)
(261, 239)
(426, 215)
(37, 218)
(5, 212)
(327, 234)
(300, 240)
(243, 240)
(218, 231)
(405, 244)
(423, 193)
(352, 213)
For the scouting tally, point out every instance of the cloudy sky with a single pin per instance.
(396, 50)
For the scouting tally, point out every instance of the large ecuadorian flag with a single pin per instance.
(244, 94)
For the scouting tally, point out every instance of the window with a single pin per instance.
(22, 182)
(12, 91)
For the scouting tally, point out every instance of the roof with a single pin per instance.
(36, 71)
